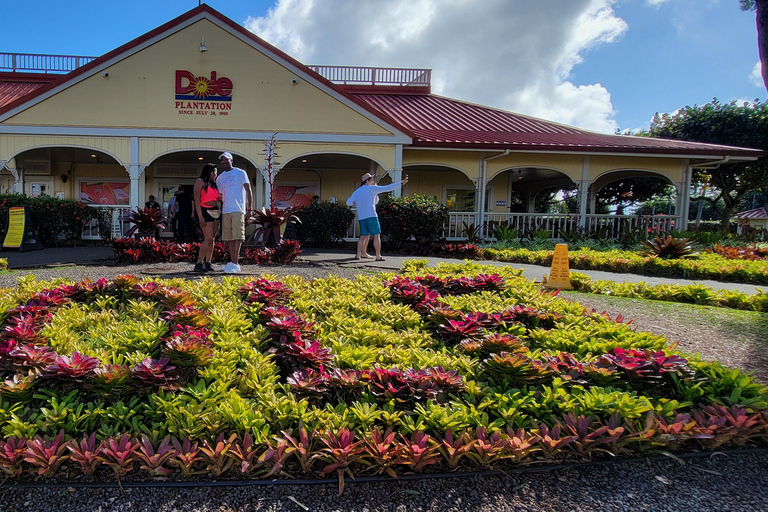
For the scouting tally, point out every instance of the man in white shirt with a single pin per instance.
(365, 198)
(235, 190)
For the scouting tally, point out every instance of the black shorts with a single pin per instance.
(207, 216)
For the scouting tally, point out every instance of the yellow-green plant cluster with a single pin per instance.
(685, 293)
(705, 266)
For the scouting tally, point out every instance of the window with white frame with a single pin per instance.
(462, 198)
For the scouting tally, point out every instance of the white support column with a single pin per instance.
(685, 196)
(397, 175)
(584, 184)
(482, 185)
(135, 173)
(397, 172)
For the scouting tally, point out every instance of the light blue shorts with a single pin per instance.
(370, 226)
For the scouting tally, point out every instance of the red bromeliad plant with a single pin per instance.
(46, 454)
(145, 220)
(454, 331)
(454, 449)
(85, 453)
(494, 344)
(25, 328)
(269, 222)
(382, 451)
(275, 456)
(186, 456)
(119, 453)
(588, 439)
(272, 293)
(216, 454)
(644, 369)
(186, 315)
(305, 353)
(302, 442)
(110, 380)
(157, 373)
(246, 455)
(309, 381)
(76, 367)
(152, 460)
(12, 452)
(18, 387)
(32, 358)
(340, 452)
(418, 452)
(389, 384)
(189, 347)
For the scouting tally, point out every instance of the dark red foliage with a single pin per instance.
(156, 373)
(77, 367)
(306, 353)
(32, 357)
(271, 293)
(309, 381)
(456, 330)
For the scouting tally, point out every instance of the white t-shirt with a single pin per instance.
(230, 184)
(366, 197)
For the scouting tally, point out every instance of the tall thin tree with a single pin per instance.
(761, 8)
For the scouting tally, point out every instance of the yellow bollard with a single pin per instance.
(559, 274)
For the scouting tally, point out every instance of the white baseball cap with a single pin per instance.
(226, 155)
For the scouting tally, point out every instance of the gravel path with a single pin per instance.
(733, 482)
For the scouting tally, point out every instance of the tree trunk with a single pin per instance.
(762, 36)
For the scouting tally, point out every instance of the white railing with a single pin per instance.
(41, 63)
(356, 75)
(459, 223)
(91, 231)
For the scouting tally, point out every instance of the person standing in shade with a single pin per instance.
(172, 210)
(365, 199)
(153, 205)
(184, 215)
(236, 199)
(206, 196)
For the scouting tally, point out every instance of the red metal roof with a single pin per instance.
(16, 85)
(444, 122)
(757, 213)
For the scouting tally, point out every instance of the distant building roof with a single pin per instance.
(756, 213)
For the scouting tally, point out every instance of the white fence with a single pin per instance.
(460, 223)
(91, 231)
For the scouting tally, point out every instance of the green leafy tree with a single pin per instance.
(630, 191)
(744, 125)
(761, 6)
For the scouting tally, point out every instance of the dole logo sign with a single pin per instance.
(191, 87)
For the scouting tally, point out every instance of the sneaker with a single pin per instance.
(231, 268)
(209, 267)
(199, 267)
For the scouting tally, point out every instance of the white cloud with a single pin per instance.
(756, 76)
(511, 54)
(655, 3)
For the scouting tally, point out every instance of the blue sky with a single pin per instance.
(597, 64)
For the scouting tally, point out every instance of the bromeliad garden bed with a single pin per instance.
(442, 369)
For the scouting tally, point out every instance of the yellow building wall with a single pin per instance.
(384, 155)
(670, 167)
(568, 164)
(150, 149)
(432, 183)
(140, 92)
(466, 161)
(499, 191)
(11, 145)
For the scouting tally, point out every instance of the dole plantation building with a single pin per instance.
(143, 118)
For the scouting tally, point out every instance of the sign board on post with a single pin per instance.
(559, 274)
(20, 233)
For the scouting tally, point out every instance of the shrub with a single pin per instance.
(53, 218)
(419, 217)
(324, 223)
(668, 247)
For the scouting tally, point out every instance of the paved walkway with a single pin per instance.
(95, 255)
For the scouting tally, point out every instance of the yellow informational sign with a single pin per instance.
(16, 224)
(559, 274)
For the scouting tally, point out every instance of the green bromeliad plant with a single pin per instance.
(457, 366)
